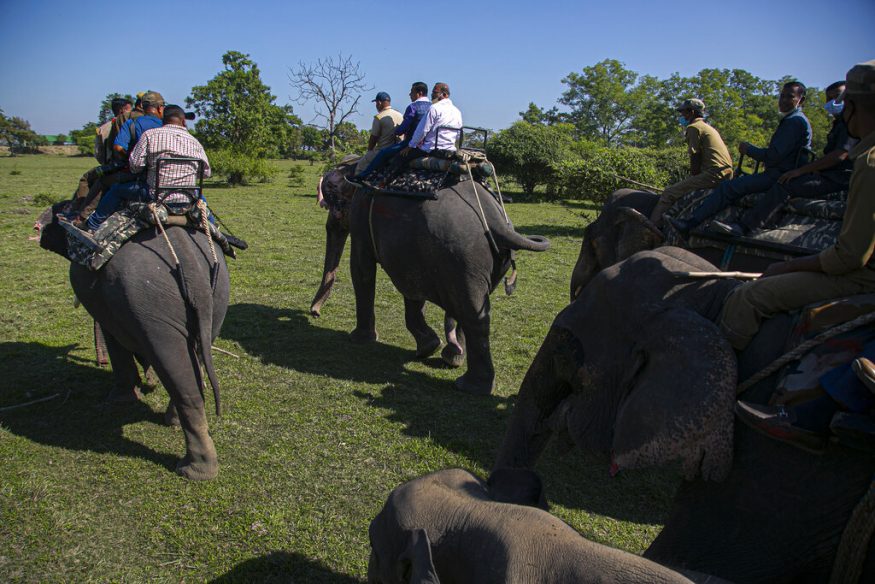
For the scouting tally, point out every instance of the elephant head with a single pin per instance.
(452, 526)
(621, 230)
(634, 367)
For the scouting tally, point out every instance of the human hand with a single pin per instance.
(789, 175)
(777, 269)
(323, 203)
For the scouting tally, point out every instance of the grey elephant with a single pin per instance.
(451, 251)
(451, 527)
(636, 368)
(144, 311)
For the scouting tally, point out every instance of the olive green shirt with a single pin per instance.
(383, 128)
(707, 150)
(853, 248)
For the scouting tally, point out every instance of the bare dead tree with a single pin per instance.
(335, 85)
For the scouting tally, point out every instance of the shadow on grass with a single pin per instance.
(79, 419)
(575, 231)
(282, 567)
(287, 337)
(583, 205)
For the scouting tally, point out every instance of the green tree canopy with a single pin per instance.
(17, 133)
(238, 112)
(105, 113)
(527, 151)
(84, 138)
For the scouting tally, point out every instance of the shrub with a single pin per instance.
(240, 169)
(596, 171)
(46, 200)
(528, 152)
(296, 176)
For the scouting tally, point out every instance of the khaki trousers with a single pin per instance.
(676, 191)
(750, 303)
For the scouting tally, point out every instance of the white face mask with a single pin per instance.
(782, 115)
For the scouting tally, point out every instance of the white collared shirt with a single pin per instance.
(444, 115)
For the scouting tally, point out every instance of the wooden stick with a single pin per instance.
(36, 401)
(223, 351)
(736, 275)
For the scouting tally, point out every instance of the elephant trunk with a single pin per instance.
(336, 234)
(508, 238)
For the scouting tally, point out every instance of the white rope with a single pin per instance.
(733, 275)
(160, 227)
(202, 207)
(477, 196)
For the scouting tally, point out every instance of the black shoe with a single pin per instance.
(865, 370)
(778, 422)
(681, 226)
(235, 241)
(733, 229)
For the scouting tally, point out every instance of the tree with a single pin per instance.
(105, 114)
(527, 151)
(84, 138)
(237, 110)
(61, 139)
(17, 133)
(335, 86)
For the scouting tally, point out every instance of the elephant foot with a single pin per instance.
(171, 416)
(453, 356)
(315, 311)
(428, 347)
(151, 379)
(468, 385)
(363, 336)
(197, 471)
(124, 396)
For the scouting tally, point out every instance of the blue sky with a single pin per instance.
(496, 56)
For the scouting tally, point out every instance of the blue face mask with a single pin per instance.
(683, 121)
(834, 108)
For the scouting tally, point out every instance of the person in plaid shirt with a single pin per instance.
(171, 140)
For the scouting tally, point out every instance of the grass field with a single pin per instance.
(316, 431)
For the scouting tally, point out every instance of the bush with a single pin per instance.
(296, 176)
(528, 152)
(46, 200)
(240, 169)
(597, 171)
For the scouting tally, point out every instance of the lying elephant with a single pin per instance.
(142, 310)
(451, 251)
(450, 526)
(635, 367)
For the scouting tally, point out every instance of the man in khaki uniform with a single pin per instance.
(846, 268)
(710, 161)
(382, 130)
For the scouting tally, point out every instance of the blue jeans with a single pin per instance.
(730, 191)
(383, 157)
(112, 200)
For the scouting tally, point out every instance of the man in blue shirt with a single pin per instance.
(783, 154)
(130, 132)
(418, 108)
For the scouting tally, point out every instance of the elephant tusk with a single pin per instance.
(735, 275)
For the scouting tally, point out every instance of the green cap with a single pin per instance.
(691, 104)
(861, 79)
(152, 98)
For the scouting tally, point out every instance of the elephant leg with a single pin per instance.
(427, 341)
(126, 378)
(363, 268)
(479, 379)
(150, 379)
(171, 415)
(335, 240)
(177, 368)
(454, 353)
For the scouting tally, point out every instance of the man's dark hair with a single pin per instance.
(174, 112)
(420, 88)
(797, 85)
(833, 86)
(118, 104)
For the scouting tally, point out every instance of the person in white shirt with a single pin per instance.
(438, 130)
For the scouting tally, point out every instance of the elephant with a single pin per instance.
(450, 526)
(168, 315)
(451, 251)
(635, 367)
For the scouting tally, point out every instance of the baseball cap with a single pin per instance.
(382, 96)
(861, 79)
(691, 104)
(152, 97)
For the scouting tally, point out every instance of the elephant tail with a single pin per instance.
(508, 238)
(205, 336)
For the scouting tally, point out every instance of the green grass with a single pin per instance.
(316, 431)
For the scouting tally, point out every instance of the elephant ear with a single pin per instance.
(635, 233)
(518, 486)
(678, 399)
(415, 564)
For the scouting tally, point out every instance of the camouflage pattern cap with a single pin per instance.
(691, 104)
(140, 94)
(153, 98)
(861, 79)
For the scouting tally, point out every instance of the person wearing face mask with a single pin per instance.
(783, 153)
(828, 174)
(710, 162)
(845, 269)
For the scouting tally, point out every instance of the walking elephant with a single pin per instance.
(149, 307)
(452, 527)
(636, 367)
(451, 251)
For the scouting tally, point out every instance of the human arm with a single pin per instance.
(856, 241)
(123, 138)
(320, 198)
(826, 162)
(424, 127)
(693, 148)
(809, 263)
(375, 134)
(405, 127)
(137, 159)
(785, 142)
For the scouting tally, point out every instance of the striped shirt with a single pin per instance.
(169, 141)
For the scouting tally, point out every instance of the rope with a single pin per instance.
(854, 545)
(634, 182)
(205, 225)
(804, 348)
(497, 189)
(160, 227)
(483, 215)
